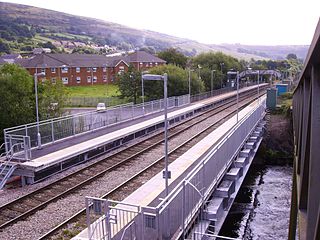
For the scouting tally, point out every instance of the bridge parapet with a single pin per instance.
(305, 204)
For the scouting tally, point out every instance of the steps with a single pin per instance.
(6, 170)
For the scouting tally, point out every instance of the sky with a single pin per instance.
(253, 22)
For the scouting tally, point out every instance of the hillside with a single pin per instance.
(30, 27)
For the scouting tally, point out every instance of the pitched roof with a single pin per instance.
(142, 56)
(60, 59)
(84, 60)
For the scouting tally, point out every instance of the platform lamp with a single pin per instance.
(37, 106)
(212, 71)
(221, 65)
(142, 89)
(190, 70)
(237, 76)
(164, 78)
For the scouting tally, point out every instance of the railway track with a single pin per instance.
(30, 203)
(133, 183)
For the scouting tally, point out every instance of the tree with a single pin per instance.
(211, 61)
(291, 56)
(129, 84)
(178, 83)
(172, 56)
(17, 105)
(4, 47)
(53, 97)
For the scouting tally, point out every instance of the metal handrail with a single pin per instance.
(2, 146)
(95, 227)
(126, 228)
(6, 163)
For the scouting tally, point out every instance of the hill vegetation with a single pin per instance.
(23, 28)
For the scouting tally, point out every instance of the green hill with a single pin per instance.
(24, 27)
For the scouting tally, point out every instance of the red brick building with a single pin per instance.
(86, 69)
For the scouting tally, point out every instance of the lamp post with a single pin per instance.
(164, 78)
(199, 67)
(37, 106)
(212, 71)
(237, 96)
(142, 90)
(237, 76)
(221, 64)
(190, 84)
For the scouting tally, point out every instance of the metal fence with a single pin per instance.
(56, 129)
(93, 101)
(174, 213)
(216, 92)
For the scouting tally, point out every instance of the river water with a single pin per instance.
(261, 209)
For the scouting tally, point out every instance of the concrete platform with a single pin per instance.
(151, 193)
(80, 148)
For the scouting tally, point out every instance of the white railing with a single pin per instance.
(56, 129)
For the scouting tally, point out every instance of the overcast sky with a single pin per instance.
(255, 22)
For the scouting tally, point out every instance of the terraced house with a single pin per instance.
(86, 69)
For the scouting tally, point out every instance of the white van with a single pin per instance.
(101, 107)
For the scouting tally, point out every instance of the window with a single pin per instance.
(94, 78)
(156, 64)
(89, 79)
(43, 70)
(88, 69)
(64, 70)
(77, 69)
(104, 69)
(78, 79)
(121, 69)
(53, 80)
(150, 64)
(104, 78)
(53, 70)
(65, 80)
(94, 69)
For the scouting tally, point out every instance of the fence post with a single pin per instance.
(52, 131)
(5, 140)
(88, 217)
(73, 126)
(183, 206)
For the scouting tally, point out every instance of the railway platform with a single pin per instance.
(204, 179)
(65, 153)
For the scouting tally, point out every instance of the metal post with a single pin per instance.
(165, 79)
(212, 71)
(37, 110)
(189, 86)
(258, 87)
(237, 97)
(52, 131)
(221, 64)
(142, 93)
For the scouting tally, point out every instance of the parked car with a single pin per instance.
(101, 107)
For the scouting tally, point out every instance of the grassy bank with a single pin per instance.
(94, 91)
(90, 96)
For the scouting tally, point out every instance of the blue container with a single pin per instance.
(282, 88)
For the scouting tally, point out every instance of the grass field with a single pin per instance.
(109, 90)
